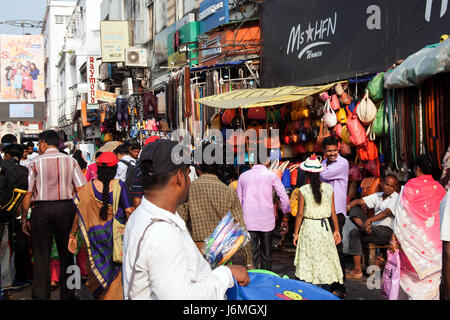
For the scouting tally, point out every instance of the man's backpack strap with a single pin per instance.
(133, 271)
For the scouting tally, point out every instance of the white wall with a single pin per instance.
(54, 34)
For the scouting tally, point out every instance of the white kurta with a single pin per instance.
(169, 265)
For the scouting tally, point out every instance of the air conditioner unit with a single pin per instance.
(136, 57)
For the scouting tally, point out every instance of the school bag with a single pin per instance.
(131, 169)
(13, 188)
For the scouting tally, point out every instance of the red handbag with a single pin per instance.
(228, 116)
(354, 173)
(299, 149)
(257, 113)
(307, 123)
(357, 132)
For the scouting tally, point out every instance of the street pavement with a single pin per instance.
(283, 264)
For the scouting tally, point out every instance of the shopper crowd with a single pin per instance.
(136, 221)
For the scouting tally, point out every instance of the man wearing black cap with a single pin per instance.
(160, 259)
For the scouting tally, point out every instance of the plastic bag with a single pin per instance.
(391, 276)
(224, 242)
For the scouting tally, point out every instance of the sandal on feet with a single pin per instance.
(351, 275)
(339, 294)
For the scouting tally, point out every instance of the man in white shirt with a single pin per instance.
(24, 161)
(377, 229)
(125, 160)
(445, 237)
(31, 153)
(160, 259)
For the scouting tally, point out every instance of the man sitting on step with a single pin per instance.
(377, 229)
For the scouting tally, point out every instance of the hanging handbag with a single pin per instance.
(372, 167)
(257, 127)
(324, 96)
(378, 123)
(338, 89)
(316, 110)
(370, 186)
(344, 149)
(337, 130)
(294, 173)
(118, 227)
(258, 113)
(351, 107)
(368, 151)
(287, 151)
(309, 146)
(366, 110)
(354, 173)
(345, 98)
(307, 124)
(296, 111)
(305, 112)
(342, 116)
(357, 132)
(299, 149)
(370, 133)
(319, 140)
(335, 102)
(273, 114)
(330, 118)
(286, 178)
(228, 116)
(345, 135)
(376, 87)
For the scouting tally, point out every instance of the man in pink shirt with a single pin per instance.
(255, 194)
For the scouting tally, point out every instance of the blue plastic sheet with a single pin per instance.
(265, 286)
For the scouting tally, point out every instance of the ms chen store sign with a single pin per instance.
(318, 41)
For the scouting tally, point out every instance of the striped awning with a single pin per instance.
(250, 98)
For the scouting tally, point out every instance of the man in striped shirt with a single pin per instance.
(53, 179)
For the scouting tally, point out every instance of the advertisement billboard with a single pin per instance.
(213, 13)
(115, 38)
(22, 68)
(322, 41)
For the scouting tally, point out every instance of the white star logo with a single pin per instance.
(309, 32)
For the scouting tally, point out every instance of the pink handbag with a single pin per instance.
(324, 96)
(357, 132)
(391, 276)
(335, 102)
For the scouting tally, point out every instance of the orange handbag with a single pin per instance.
(370, 186)
(368, 151)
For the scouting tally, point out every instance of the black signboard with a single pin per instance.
(321, 41)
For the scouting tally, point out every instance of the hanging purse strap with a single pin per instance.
(133, 271)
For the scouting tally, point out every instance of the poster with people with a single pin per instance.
(22, 68)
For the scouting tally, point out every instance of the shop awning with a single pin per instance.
(251, 98)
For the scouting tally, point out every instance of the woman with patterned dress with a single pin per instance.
(103, 208)
(316, 258)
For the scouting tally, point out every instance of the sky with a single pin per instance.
(21, 10)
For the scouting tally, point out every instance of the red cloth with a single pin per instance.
(151, 139)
